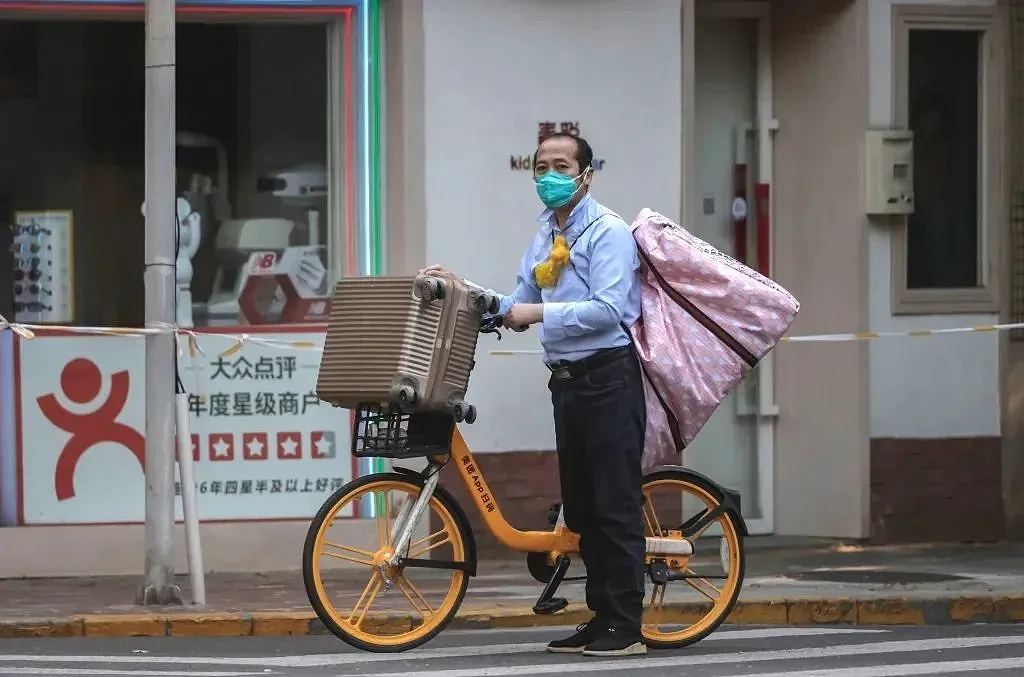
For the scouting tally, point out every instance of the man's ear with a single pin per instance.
(588, 176)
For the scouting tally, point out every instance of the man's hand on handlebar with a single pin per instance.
(521, 315)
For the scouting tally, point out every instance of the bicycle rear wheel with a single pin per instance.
(390, 613)
(679, 504)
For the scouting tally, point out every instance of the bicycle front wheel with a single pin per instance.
(359, 597)
(704, 585)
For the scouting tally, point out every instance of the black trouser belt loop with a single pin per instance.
(566, 371)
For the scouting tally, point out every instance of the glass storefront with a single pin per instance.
(268, 160)
(275, 181)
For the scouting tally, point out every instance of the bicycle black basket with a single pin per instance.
(385, 431)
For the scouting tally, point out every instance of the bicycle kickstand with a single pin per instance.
(547, 603)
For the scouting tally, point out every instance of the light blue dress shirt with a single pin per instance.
(595, 293)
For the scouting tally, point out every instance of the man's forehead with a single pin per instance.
(557, 149)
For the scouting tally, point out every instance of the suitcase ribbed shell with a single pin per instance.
(382, 336)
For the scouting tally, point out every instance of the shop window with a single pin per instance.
(948, 91)
(252, 160)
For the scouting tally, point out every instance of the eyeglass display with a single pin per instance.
(43, 267)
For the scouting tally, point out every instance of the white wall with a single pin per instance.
(820, 84)
(944, 386)
(494, 69)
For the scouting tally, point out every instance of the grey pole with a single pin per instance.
(161, 230)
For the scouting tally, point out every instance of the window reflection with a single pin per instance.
(251, 157)
(943, 233)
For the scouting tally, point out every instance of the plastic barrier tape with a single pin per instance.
(193, 339)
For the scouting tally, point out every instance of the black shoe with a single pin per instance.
(616, 642)
(586, 633)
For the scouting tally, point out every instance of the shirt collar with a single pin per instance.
(547, 217)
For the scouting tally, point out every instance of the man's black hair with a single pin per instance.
(584, 153)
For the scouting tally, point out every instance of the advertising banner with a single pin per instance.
(264, 446)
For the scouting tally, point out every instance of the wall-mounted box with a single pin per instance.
(889, 172)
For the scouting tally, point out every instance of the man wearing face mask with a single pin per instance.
(577, 280)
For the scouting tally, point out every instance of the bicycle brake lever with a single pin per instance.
(491, 330)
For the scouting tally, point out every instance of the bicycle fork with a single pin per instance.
(406, 522)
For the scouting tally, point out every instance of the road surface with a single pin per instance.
(973, 651)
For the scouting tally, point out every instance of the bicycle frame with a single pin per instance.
(555, 543)
(560, 541)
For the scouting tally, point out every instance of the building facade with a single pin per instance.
(690, 105)
(747, 121)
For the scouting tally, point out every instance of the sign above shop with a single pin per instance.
(545, 129)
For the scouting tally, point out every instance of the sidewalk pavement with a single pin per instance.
(820, 584)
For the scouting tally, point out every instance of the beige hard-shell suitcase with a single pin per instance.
(405, 341)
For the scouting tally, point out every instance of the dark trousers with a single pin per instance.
(599, 434)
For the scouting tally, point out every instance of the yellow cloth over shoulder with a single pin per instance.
(548, 271)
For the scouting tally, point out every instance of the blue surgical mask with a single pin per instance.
(555, 189)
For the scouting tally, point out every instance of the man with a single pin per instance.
(578, 282)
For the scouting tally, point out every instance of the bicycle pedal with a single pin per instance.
(550, 606)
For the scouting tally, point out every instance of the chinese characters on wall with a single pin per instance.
(546, 129)
(253, 402)
(254, 439)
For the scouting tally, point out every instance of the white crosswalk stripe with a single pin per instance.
(323, 660)
(46, 672)
(648, 662)
(747, 652)
(722, 634)
(908, 670)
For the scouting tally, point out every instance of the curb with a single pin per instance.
(876, 612)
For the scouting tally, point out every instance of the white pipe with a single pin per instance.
(766, 406)
(690, 181)
(193, 546)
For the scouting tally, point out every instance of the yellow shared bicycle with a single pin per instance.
(416, 583)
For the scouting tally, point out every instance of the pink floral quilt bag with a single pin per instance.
(706, 320)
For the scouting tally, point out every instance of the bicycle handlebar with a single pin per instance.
(491, 325)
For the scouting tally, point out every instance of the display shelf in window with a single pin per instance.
(44, 285)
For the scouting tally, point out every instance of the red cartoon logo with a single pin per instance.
(81, 382)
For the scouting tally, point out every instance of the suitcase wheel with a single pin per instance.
(464, 412)
(484, 303)
(407, 396)
(431, 288)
